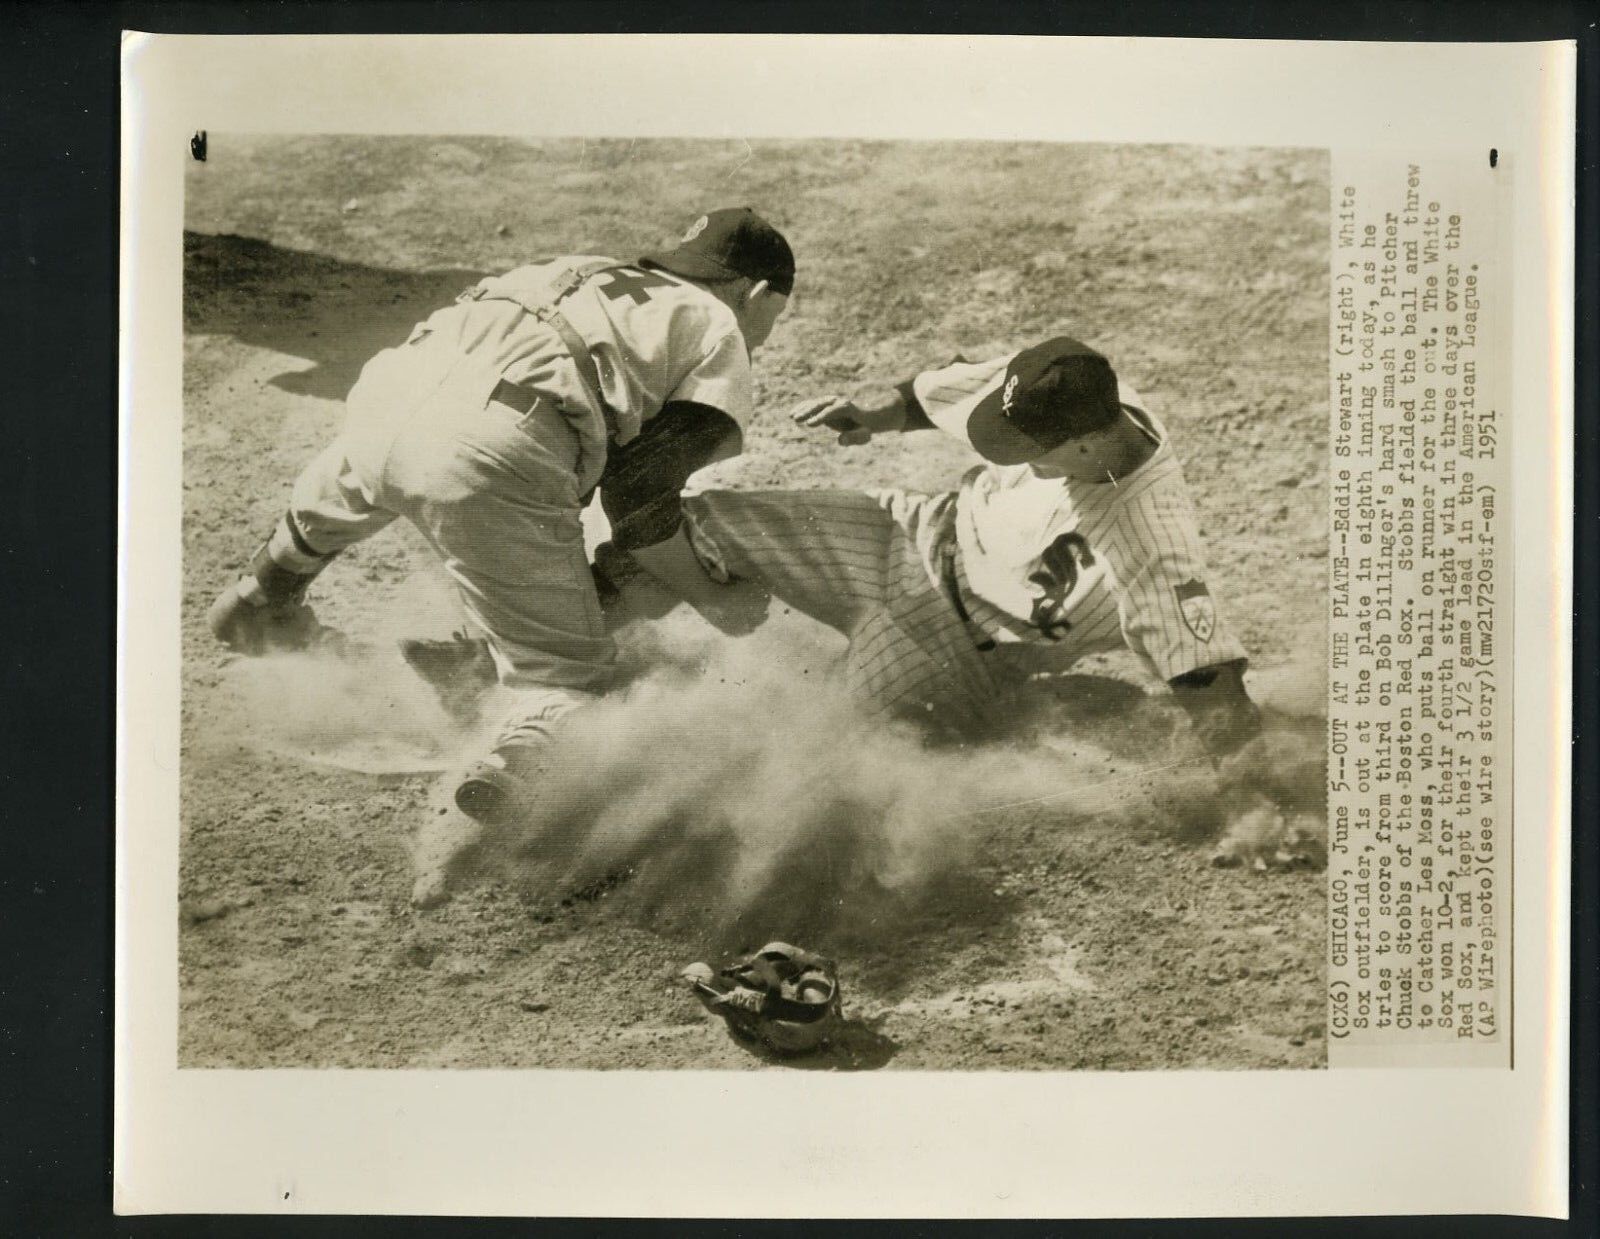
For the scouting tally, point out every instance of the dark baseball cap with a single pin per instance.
(1052, 393)
(725, 244)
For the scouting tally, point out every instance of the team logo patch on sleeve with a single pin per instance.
(1197, 609)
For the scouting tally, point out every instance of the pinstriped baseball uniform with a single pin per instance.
(1082, 566)
(868, 564)
(1014, 572)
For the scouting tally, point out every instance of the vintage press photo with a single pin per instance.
(980, 607)
(1050, 872)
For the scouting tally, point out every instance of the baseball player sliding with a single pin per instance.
(490, 429)
(1077, 535)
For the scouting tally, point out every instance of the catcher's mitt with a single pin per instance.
(784, 997)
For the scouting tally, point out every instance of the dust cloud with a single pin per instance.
(346, 704)
(356, 709)
(736, 782)
(734, 786)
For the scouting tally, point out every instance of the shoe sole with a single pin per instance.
(459, 679)
(487, 798)
(437, 661)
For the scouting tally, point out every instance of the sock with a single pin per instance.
(285, 566)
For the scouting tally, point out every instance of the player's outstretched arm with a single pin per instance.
(856, 422)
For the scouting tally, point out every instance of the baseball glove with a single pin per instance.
(783, 997)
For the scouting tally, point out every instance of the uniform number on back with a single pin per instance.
(631, 282)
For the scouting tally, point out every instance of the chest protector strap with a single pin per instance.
(542, 305)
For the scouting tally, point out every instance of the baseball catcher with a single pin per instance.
(494, 424)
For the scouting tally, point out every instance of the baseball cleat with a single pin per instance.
(247, 623)
(487, 794)
(459, 670)
(494, 790)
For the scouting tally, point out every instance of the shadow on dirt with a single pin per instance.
(857, 1046)
(336, 314)
(1112, 714)
(1085, 700)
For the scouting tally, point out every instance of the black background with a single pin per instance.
(58, 271)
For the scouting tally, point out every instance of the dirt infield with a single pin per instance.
(1046, 900)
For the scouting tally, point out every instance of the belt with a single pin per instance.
(522, 399)
(952, 588)
(590, 461)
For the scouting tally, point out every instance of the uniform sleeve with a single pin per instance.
(947, 395)
(721, 379)
(906, 389)
(1164, 598)
(916, 415)
(641, 488)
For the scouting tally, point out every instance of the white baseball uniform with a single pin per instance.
(488, 433)
(950, 600)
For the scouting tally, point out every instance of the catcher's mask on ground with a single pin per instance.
(782, 996)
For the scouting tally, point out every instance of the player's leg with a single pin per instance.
(915, 656)
(900, 669)
(495, 494)
(539, 627)
(865, 564)
(825, 553)
(332, 506)
(329, 510)
(547, 639)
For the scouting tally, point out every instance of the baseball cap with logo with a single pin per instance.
(1052, 393)
(725, 244)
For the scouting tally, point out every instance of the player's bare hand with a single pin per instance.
(853, 424)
